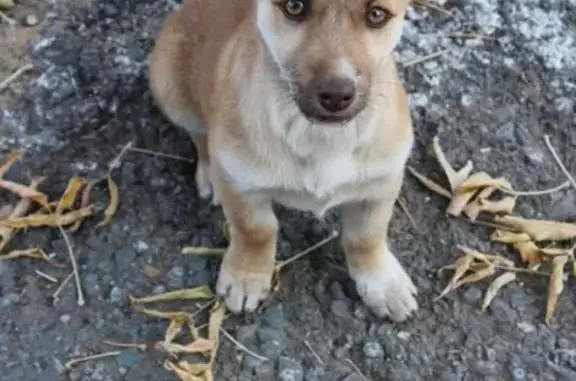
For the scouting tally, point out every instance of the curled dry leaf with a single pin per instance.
(174, 328)
(24, 191)
(460, 200)
(114, 202)
(198, 346)
(19, 210)
(509, 237)
(434, 187)
(461, 266)
(8, 161)
(35, 253)
(496, 285)
(214, 325)
(555, 252)
(69, 196)
(555, 286)
(84, 202)
(47, 220)
(529, 252)
(484, 182)
(201, 292)
(171, 315)
(477, 276)
(152, 271)
(182, 373)
(487, 258)
(455, 178)
(539, 230)
(473, 209)
(203, 251)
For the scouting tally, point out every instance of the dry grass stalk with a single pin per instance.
(13, 77)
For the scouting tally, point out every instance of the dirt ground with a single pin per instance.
(491, 96)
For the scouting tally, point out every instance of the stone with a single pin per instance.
(289, 370)
(373, 350)
(340, 309)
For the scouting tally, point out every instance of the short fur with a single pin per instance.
(239, 77)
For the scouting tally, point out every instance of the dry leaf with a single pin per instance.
(555, 251)
(214, 325)
(203, 251)
(539, 230)
(198, 346)
(498, 283)
(85, 201)
(174, 329)
(529, 252)
(455, 178)
(35, 253)
(201, 292)
(114, 201)
(487, 258)
(47, 220)
(8, 160)
(70, 194)
(24, 191)
(196, 369)
(473, 209)
(483, 182)
(171, 315)
(152, 271)
(509, 237)
(182, 374)
(460, 200)
(461, 266)
(431, 185)
(477, 276)
(19, 210)
(555, 287)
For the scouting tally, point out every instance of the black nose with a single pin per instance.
(335, 94)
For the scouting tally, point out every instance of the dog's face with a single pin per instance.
(328, 50)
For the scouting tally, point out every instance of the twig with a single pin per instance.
(431, 185)
(15, 76)
(458, 35)
(402, 203)
(355, 367)
(75, 271)
(536, 192)
(161, 154)
(76, 361)
(314, 353)
(242, 347)
(559, 162)
(8, 20)
(116, 162)
(425, 58)
(140, 347)
(46, 276)
(61, 287)
(307, 251)
(428, 4)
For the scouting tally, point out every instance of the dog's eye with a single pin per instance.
(294, 9)
(377, 17)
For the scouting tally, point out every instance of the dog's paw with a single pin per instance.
(388, 291)
(243, 291)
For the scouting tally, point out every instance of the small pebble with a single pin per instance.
(116, 295)
(289, 370)
(518, 374)
(160, 289)
(373, 350)
(65, 319)
(31, 20)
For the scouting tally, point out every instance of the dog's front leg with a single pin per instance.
(380, 279)
(248, 266)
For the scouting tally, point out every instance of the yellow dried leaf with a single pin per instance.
(174, 328)
(496, 285)
(152, 271)
(477, 276)
(182, 374)
(24, 191)
(504, 205)
(35, 253)
(461, 266)
(555, 287)
(473, 209)
(70, 194)
(203, 251)
(8, 161)
(555, 251)
(529, 252)
(214, 325)
(483, 182)
(84, 202)
(455, 178)
(539, 230)
(201, 292)
(431, 185)
(509, 237)
(487, 258)
(198, 346)
(47, 220)
(460, 200)
(114, 201)
(171, 315)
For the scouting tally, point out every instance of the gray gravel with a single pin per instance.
(492, 100)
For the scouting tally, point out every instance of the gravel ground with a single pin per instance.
(488, 99)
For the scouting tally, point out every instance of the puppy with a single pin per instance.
(296, 102)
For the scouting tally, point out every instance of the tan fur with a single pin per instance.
(237, 75)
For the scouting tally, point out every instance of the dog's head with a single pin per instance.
(328, 50)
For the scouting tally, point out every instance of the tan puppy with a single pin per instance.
(296, 102)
